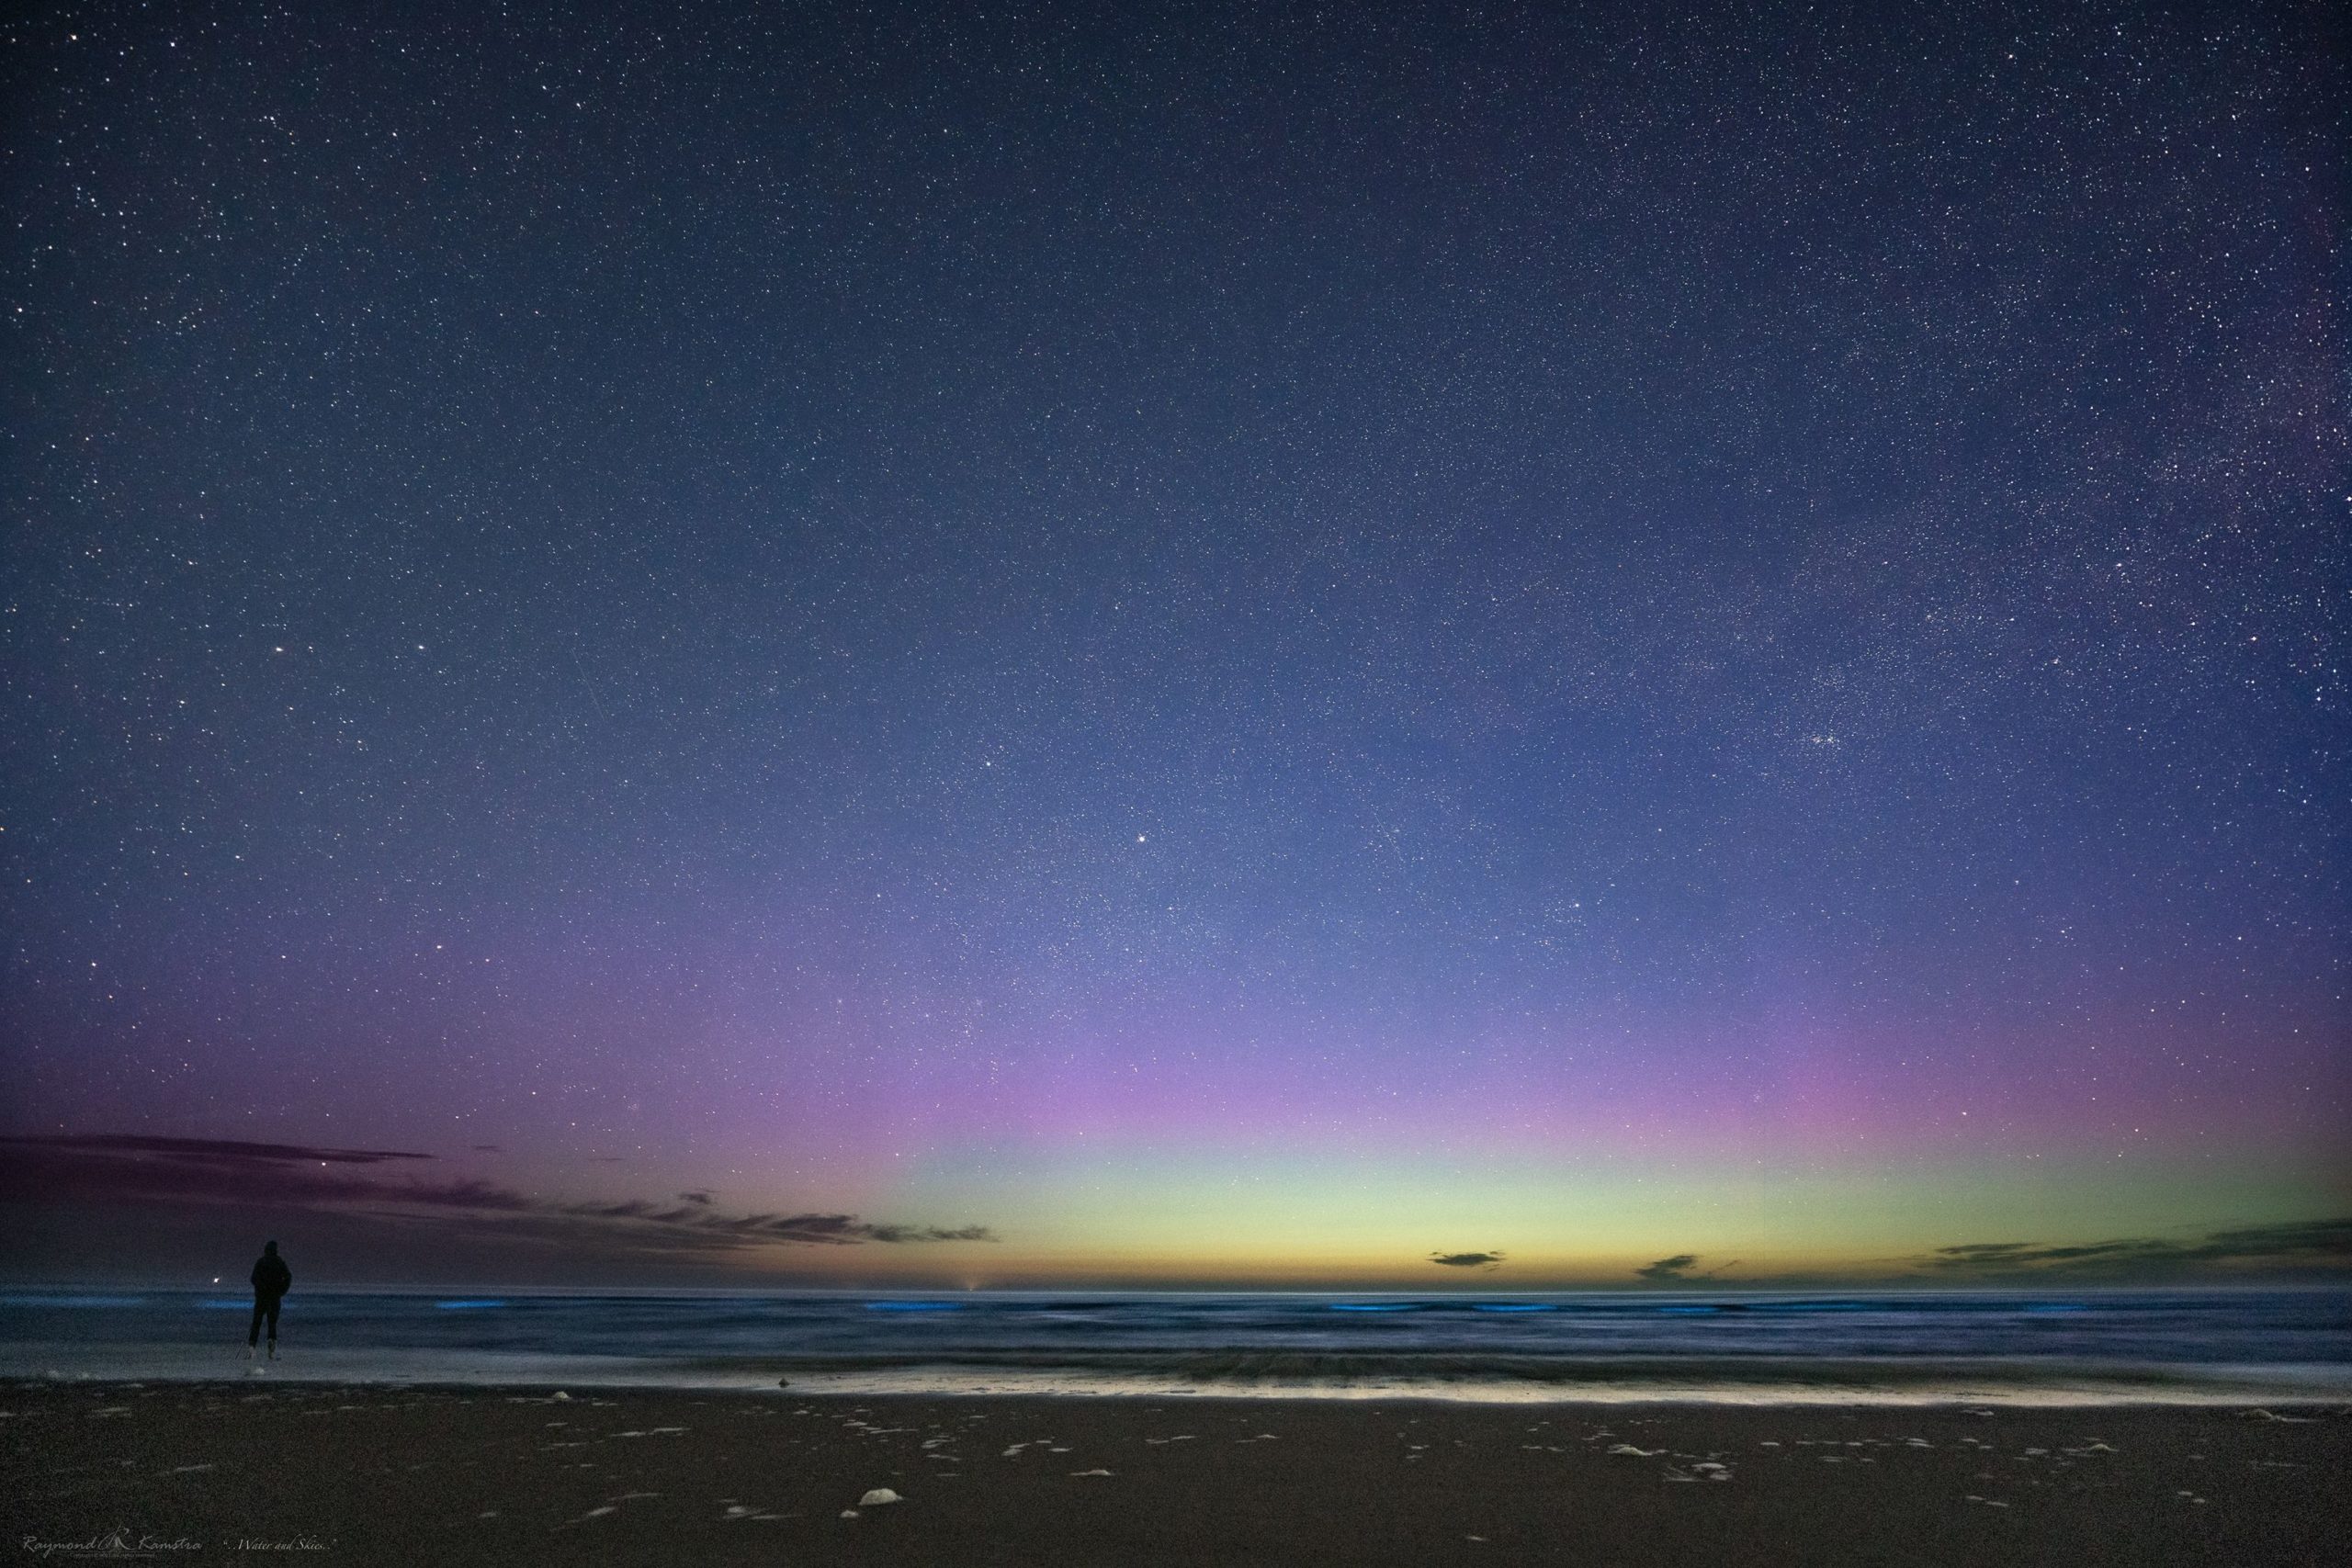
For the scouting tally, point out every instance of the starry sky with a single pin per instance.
(1200, 645)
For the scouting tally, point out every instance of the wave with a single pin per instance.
(1259, 1366)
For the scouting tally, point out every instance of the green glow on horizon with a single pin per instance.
(1143, 1215)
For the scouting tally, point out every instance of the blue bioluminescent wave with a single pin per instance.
(914, 1306)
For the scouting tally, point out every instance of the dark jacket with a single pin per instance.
(271, 1277)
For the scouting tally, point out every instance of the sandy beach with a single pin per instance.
(202, 1472)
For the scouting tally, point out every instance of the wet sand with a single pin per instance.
(213, 1472)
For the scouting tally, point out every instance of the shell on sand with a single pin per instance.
(879, 1497)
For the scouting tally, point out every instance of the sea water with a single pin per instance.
(1913, 1346)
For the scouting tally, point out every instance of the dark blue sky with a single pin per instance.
(857, 609)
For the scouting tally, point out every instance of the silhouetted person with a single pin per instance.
(272, 1280)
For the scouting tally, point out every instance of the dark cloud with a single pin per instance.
(2300, 1245)
(930, 1233)
(2325, 1239)
(117, 1168)
(224, 1150)
(838, 1229)
(108, 1168)
(1677, 1269)
(1467, 1259)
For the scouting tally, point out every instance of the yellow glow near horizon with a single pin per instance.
(1143, 1218)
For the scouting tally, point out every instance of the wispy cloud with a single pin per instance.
(124, 1168)
(2304, 1244)
(1488, 1260)
(1677, 1269)
(2322, 1238)
(217, 1150)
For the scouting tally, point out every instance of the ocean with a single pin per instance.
(2186, 1345)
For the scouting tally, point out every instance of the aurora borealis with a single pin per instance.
(1233, 645)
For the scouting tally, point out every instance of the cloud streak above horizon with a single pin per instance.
(109, 1167)
(2322, 1243)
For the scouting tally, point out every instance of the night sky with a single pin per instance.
(753, 644)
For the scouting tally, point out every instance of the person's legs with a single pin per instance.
(253, 1334)
(273, 1325)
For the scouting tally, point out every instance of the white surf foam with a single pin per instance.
(2266, 1385)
